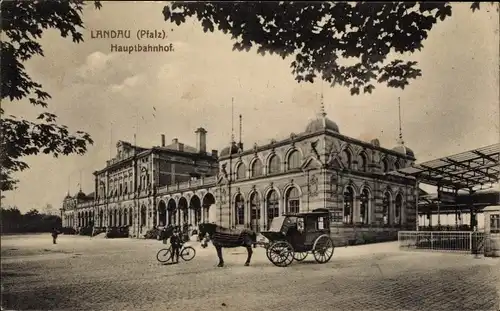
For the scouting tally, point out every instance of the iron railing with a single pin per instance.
(471, 242)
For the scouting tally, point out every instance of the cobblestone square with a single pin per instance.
(82, 273)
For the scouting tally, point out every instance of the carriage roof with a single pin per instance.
(285, 221)
(306, 214)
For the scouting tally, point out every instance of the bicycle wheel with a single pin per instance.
(163, 255)
(188, 253)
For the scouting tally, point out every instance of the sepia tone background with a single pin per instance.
(453, 107)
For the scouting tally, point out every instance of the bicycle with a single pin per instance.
(187, 253)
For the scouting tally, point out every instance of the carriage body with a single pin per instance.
(293, 236)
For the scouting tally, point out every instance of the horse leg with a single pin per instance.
(219, 254)
(249, 256)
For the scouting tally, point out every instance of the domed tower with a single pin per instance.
(401, 148)
(231, 149)
(81, 195)
(321, 122)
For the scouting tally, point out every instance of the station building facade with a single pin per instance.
(319, 168)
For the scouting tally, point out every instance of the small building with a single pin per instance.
(492, 230)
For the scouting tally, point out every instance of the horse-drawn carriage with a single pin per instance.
(293, 236)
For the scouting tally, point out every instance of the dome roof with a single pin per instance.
(67, 196)
(321, 123)
(80, 195)
(229, 150)
(404, 150)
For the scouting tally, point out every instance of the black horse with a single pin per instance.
(166, 232)
(227, 238)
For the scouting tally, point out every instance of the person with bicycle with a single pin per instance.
(176, 243)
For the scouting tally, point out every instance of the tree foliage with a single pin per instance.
(345, 43)
(22, 25)
(12, 221)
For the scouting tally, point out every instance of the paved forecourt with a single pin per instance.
(82, 273)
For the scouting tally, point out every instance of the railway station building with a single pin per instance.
(247, 186)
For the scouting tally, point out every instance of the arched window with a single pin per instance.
(240, 171)
(362, 162)
(385, 166)
(254, 211)
(348, 205)
(120, 218)
(274, 164)
(292, 200)
(386, 208)
(185, 215)
(182, 206)
(347, 158)
(101, 218)
(130, 215)
(397, 166)
(398, 212)
(172, 212)
(239, 210)
(256, 168)
(162, 213)
(155, 219)
(364, 207)
(143, 216)
(293, 160)
(273, 209)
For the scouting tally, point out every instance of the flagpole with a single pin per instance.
(232, 120)
(110, 139)
(400, 128)
(136, 126)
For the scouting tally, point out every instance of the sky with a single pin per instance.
(452, 108)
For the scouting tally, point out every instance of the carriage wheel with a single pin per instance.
(188, 253)
(281, 253)
(300, 256)
(163, 255)
(323, 249)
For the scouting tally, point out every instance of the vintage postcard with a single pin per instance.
(250, 155)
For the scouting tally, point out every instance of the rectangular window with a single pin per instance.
(495, 224)
(241, 215)
(293, 206)
(321, 224)
(336, 217)
(255, 213)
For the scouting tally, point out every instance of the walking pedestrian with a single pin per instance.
(55, 233)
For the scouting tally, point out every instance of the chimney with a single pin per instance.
(180, 147)
(201, 140)
(175, 141)
(215, 153)
(162, 140)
